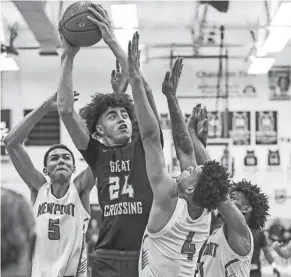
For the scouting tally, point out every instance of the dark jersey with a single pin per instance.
(260, 241)
(124, 192)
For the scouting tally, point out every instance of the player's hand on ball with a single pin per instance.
(101, 18)
(171, 80)
(133, 60)
(70, 50)
(119, 80)
(52, 101)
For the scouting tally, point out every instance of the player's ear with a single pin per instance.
(74, 169)
(45, 171)
(99, 130)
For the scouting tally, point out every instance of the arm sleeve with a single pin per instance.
(263, 239)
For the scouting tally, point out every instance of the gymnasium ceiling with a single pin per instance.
(161, 24)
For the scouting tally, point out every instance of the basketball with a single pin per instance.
(77, 28)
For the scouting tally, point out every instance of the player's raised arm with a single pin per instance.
(159, 178)
(14, 140)
(101, 18)
(182, 141)
(236, 223)
(84, 183)
(73, 122)
(148, 90)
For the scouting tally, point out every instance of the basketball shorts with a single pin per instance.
(114, 263)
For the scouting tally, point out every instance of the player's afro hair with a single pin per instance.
(212, 186)
(258, 201)
(99, 104)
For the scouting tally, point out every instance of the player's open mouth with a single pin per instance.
(122, 127)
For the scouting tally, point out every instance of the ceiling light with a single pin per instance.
(124, 16)
(260, 65)
(7, 63)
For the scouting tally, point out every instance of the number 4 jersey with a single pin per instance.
(173, 251)
(61, 234)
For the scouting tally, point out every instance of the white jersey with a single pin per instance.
(173, 251)
(218, 259)
(61, 226)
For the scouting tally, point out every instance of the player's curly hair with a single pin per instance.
(99, 104)
(212, 186)
(258, 201)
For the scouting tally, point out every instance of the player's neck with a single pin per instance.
(59, 189)
(110, 143)
(194, 211)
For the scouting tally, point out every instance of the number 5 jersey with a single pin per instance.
(61, 226)
(173, 251)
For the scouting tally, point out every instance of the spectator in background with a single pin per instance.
(17, 235)
(282, 252)
(283, 83)
(276, 231)
(260, 243)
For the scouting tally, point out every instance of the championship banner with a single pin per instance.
(240, 127)
(279, 83)
(239, 83)
(5, 128)
(266, 127)
(215, 125)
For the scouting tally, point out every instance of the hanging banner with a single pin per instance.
(266, 127)
(273, 158)
(240, 84)
(250, 159)
(215, 125)
(5, 128)
(240, 127)
(279, 83)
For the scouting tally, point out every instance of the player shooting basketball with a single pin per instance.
(228, 251)
(107, 136)
(179, 221)
(60, 205)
